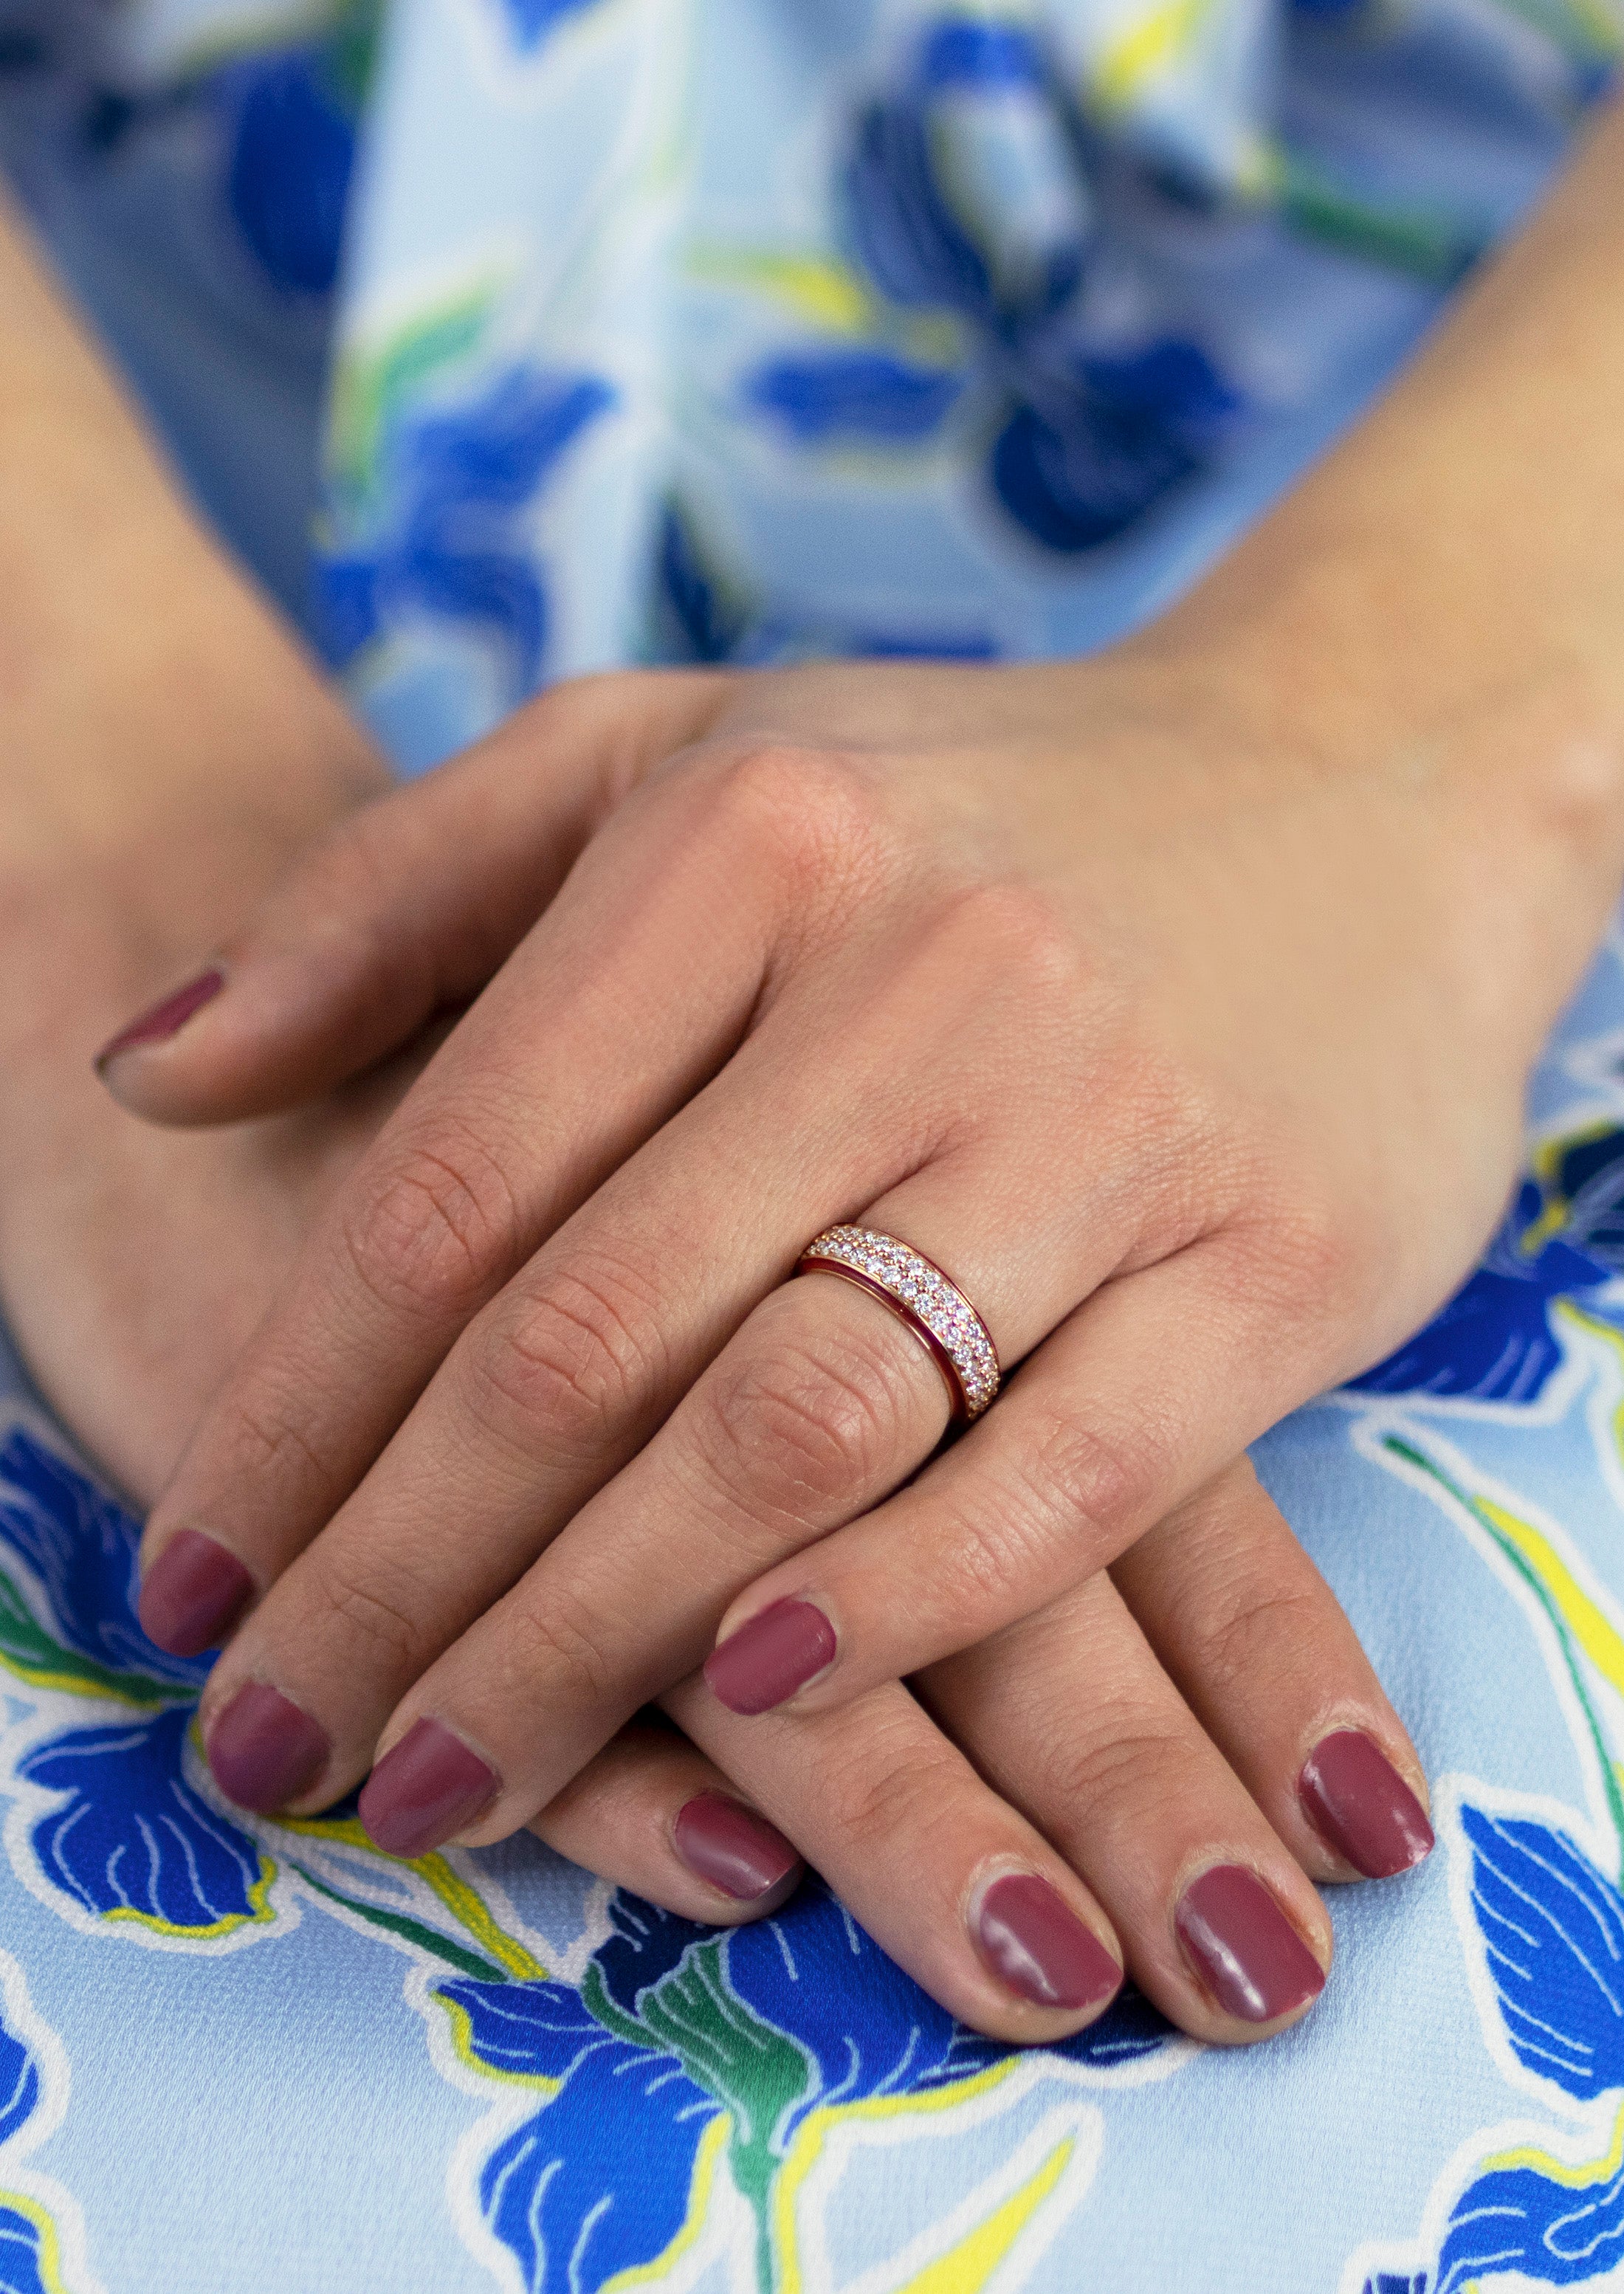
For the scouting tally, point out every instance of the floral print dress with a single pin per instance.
(511, 338)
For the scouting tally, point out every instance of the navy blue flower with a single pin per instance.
(966, 195)
(292, 148)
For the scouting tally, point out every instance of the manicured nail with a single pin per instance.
(164, 1020)
(1355, 1799)
(424, 1791)
(777, 1652)
(1243, 1948)
(1031, 1938)
(263, 1751)
(192, 1595)
(731, 1847)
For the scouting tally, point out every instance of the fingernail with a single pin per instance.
(1243, 1948)
(769, 1658)
(731, 1847)
(1355, 1799)
(165, 1019)
(424, 1791)
(1030, 1938)
(192, 1595)
(263, 1751)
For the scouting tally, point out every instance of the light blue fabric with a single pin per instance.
(744, 329)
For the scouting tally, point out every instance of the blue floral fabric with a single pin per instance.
(509, 338)
(237, 2054)
(513, 338)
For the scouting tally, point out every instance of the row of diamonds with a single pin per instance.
(944, 1310)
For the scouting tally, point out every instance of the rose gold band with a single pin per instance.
(932, 1308)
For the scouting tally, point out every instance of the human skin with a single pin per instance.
(151, 784)
(1181, 1003)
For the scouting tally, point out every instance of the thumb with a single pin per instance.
(404, 910)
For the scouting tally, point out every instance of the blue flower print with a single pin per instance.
(461, 478)
(856, 394)
(682, 2044)
(34, 2212)
(292, 146)
(1552, 1931)
(1564, 1238)
(129, 1839)
(119, 1832)
(529, 21)
(1557, 2229)
(80, 1547)
(967, 201)
(599, 2181)
(20, 2084)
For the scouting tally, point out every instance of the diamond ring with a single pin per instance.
(935, 1310)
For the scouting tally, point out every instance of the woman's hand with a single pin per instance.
(959, 980)
(1179, 1004)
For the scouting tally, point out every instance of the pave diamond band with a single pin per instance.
(935, 1310)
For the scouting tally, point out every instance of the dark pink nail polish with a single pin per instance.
(192, 1595)
(426, 1790)
(1356, 1800)
(770, 1656)
(1243, 1948)
(165, 1019)
(1034, 1942)
(263, 1751)
(731, 1847)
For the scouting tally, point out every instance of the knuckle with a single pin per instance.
(373, 1599)
(882, 1793)
(1136, 1769)
(812, 807)
(809, 1420)
(269, 1443)
(433, 1226)
(1237, 1646)
(1084, 1479)
(553, 1643)
(990, 1557)
(1017, 931)
(577, 1354)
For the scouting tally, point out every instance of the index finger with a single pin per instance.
(514, 1123)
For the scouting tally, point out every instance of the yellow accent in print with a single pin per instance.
(826, 293)
(815, 2129)
(259, 1896)
(463, 2046)
(966, 2269)
(465, 1904)
(1593, 1631)
(713, 2147)
(1528, 2156)
(49, 2258)
(1144, 50)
